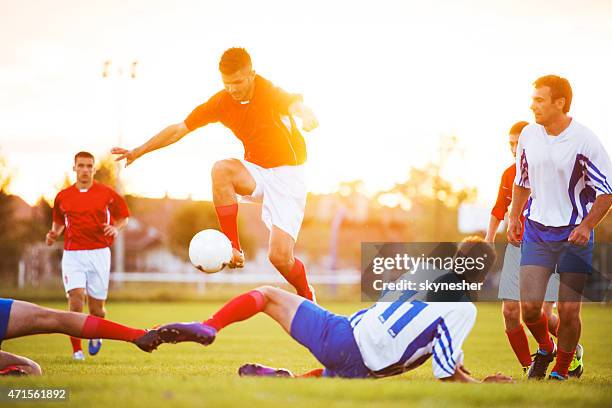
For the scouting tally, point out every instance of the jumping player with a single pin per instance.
(389, 338)
(19, 319)
(509, 291)
(272, 172)
(564, 171)
(91, 215)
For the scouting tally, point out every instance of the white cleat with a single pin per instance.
(78, 356)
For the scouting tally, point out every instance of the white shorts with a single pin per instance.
(509, 282)
(88, 269)
(282, 193)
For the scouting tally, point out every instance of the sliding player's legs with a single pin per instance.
(231, 178)
(329, 337)
(27, 319)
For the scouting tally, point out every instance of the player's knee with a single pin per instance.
(34, 368)
(280, 259)
(222, 171)
(569, 310)
(76, 302)
(531, 311)
(511, 312)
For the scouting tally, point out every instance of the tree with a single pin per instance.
(106, 171)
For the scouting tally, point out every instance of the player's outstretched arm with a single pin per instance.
(462, 375)
(166, 137)
(309, 120)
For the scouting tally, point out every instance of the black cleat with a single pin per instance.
(149, 341)
(539, 366)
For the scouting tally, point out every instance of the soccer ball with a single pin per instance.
(210, 251)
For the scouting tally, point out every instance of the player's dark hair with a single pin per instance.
(234, 59)
(517, 128)
(481, 252)
(559, 88)
(85, 155)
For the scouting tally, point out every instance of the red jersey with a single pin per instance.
(263, 125)
(83, 213)
(504, 195)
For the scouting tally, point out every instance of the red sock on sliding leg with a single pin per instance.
(239, 308)
(564, 359)
(76, 344)
(297, 278)
(98, 328)
(228, 220)
(539, 329)
(520, 345)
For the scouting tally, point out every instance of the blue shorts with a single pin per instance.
(5, 312)
(548, 247)
(329, 337)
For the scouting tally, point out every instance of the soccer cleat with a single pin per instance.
(258, 370)
(13, 371)
(94, 346)
(541, 361)
(78, 356)
(149, 341)
(181, 332)
(577, 366)
(237, 260)
(556, 376)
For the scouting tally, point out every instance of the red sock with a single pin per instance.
(297, 278)
(317, 372)
(564, 359)
(228, 219)
(520, 345)
(76, 344)
(239, 308)
(98, 328)
(539, 329)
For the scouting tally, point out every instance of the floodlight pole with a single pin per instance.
(119, 244)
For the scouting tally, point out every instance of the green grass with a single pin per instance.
(190, 375)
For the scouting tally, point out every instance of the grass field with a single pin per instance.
(190, 375)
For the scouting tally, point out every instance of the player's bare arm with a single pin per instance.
(166, 137)
(463, 375)
(54, 233)
(492, 230)
(520, 195)
(309, 120)
(581, 234)
(113, 230)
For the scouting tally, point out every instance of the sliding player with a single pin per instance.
(389, 338)
(509, 291)
(91, 215)
(566, 171)
(18, 319)
(272, 172)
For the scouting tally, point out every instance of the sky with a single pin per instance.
(387, 80)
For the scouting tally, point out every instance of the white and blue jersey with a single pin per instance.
(394, 337)
(565, 173)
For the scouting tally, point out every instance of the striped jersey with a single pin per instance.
(565, 173)
(398, 336)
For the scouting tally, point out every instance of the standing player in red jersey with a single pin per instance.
(509, 288)
(92, 215)
(272, 172)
